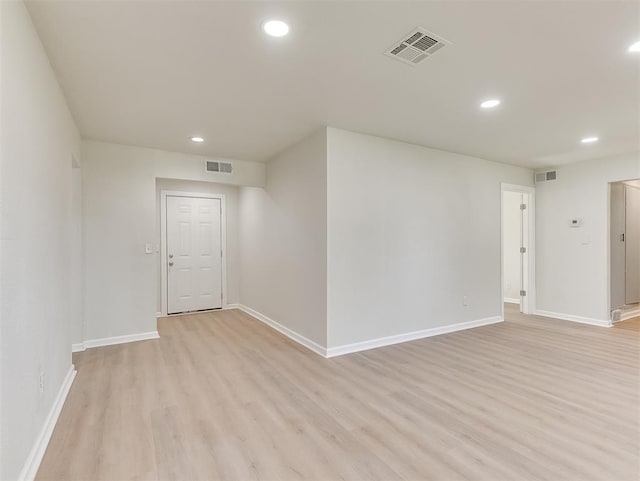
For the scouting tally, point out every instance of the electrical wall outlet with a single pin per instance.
(41, 382)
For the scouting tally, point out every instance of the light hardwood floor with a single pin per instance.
(221, 396)
(632, 324)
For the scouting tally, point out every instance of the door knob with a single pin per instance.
(170, 264)
(170, 256)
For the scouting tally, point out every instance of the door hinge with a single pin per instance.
(523, 293)
(523, 206)
(523, 250)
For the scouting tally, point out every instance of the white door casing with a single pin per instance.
(192, 256)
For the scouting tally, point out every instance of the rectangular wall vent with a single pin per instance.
(222, 167)
(416, 46)
(545, 176)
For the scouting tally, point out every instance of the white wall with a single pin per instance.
(512, 243)
(38, 138)
(120, 217)
(572, 264)
(283, 240)
(411, 230)
(231, 194)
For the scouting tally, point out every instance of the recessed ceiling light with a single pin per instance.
(589, 140)
(489, 104)
(634, 48)
(275, 28)
(197, 139)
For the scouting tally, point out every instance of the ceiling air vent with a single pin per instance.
(545, 176)
(223, 167)
(417, 46)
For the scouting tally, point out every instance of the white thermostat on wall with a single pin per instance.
(575, 222)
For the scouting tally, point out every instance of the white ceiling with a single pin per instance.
(155, 73)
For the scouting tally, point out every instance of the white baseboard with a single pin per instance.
(409, 336)
(630, 312)
(365, 345)
(231, 306)
(511, 300)
(572, 318)
(110, 341)
(300, 339)
(34, 459)
(158, 314)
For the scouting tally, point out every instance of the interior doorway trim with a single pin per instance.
(163, 241)
(626, 311)
(529, 306)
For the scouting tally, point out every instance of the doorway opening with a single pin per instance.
(193, 252)
(518, 247)
(624, 249)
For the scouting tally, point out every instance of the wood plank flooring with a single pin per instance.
(632, 324)
(222, 397)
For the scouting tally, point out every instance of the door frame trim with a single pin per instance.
(528, 307)
(610, 307)
(163, 241)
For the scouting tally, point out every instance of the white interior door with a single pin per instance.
(194, 254)
(632, 245)
(518, 242)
